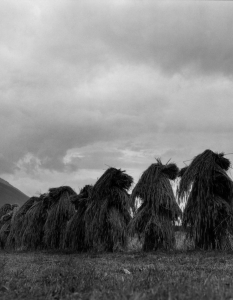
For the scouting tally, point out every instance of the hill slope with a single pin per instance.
(10, 194)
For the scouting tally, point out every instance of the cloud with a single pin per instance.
(173, 36)
(48, 128)
(66, 43)
(130, 105)
(84, 84)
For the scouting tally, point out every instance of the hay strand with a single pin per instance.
(154, 220)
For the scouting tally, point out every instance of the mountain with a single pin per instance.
(10, 194)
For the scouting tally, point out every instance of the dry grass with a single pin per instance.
(183, 242)
(133, 275)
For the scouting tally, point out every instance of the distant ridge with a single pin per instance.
(10, 194)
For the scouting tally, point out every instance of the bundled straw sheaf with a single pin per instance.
(33, 224)
(59, 214)
(5, 209)
(75, 232)
(203, 166)
(182, 171)
(108, 212)
(15, 236)
(6, 222)
(154, 219)
(207, 190)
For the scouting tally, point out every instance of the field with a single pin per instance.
(129, 275)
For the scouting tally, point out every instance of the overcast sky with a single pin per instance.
(89, 84)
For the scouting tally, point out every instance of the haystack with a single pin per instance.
(15, 236)
(154, 219)
(5, 209)
(33, 224)
(207, 190)
(108, 212)
(75, 231)
(59, 214)
(5, 224)
(182, 171)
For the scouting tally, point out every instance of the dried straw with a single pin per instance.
(6, 222)
(58, 215)
(33, 224)
(15, 236)
(108, 215)
(75, 231)
(154, 219)
(5, 209)
(207, 190)
(182, 171)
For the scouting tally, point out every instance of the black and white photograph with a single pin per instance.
(116, 149)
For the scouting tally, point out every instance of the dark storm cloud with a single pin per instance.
(174, 36)
(49, 130)
(121, 82)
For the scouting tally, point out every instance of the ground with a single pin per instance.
(129, 275)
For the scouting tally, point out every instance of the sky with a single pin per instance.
(85, 85)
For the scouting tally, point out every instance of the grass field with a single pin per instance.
(130, 275)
